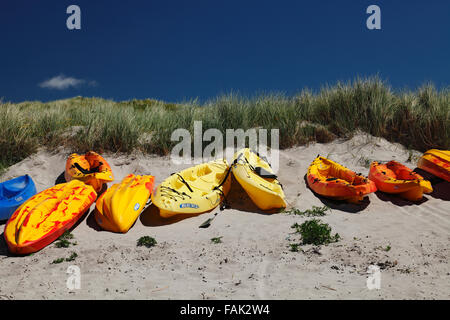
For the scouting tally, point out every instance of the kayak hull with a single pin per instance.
(118, 208)
(47, 215)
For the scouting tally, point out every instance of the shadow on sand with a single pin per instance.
(340, 204)
(4, 247)
(150, 217)
(397, 200)
(238, 199)
(441, 188)
(60, 179)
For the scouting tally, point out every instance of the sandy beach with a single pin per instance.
(253, 261)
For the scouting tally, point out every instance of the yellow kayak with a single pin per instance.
(436, 162)
(119, 207)
(194, 190)
(257, 178)
(45, 216)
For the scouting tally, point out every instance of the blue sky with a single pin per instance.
(180, 50)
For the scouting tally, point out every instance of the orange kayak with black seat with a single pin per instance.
(396, 178)
(332, 180)
(91, 168)
(436, 162)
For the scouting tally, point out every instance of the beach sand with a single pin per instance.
(254, 260)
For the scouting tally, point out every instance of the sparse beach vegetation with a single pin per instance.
(417, 119)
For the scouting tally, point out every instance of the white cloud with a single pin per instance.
(62, 82)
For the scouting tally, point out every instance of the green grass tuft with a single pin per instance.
(62, 243)
(216, 240)
(59, 260)
(72, 257)
(146, 241)
(313, 212)
(66, 235)
(315, 232)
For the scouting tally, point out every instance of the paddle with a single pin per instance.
(207, 223)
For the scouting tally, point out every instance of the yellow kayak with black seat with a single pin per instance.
(257, 178)
(194, 190)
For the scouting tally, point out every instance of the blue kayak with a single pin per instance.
(13, 193)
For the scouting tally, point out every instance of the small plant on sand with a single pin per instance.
(146, 241)
(63, 240)
(387, 248)
(72, 256)
(313, 212)
(66, 236)
(59, 260)
(412, 157)
(315, 232)
(294, 247)
(62, 243)
(216, 240)
(365, 162)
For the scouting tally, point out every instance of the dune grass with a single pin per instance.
(418, 120)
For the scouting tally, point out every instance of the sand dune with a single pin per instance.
(253, 261)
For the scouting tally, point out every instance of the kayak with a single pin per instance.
(91, 168)
(257, 178)
(394, 177)
(119, 207)
(332, 180)
(194, 190)
(436, 162)
(47, 215)
(13, 193)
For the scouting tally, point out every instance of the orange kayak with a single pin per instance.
(394, 177)
(90, 168)
(436, 162)
(332, 180)
(47, 215)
